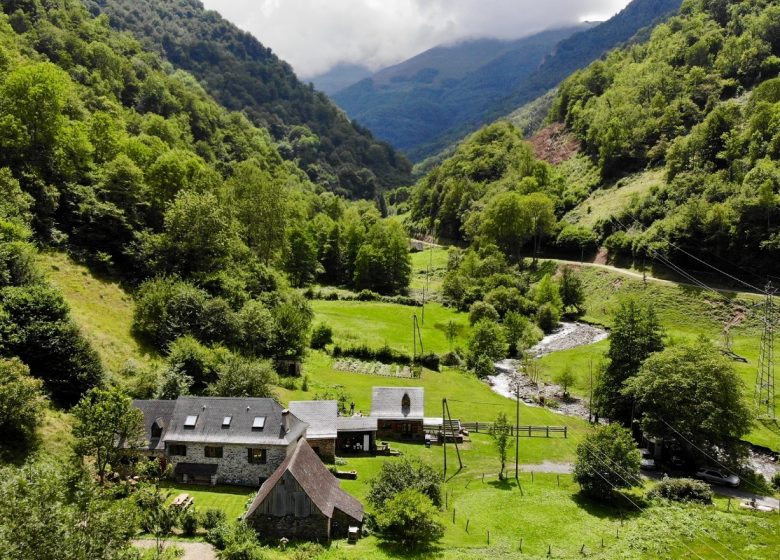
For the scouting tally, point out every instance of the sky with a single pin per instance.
(316, 35)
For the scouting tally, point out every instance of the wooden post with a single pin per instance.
(565, 432)
(488, 536)
(549, 550)
(582, 550)
(521, 545)
(453, 515)
(602, 542)
(444, 444)
(728, 506)
(548, 431)
(559, 480)
(467, 525)
(483, 478)
(532, 476)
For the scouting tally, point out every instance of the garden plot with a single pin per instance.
(373, 368)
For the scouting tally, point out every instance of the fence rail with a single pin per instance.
(522, 431)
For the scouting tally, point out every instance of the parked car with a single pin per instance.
(717, 477)
(646, 462)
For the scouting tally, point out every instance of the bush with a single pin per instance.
(452, 359)
(396, 477)
(305, 384)
(429, 360)
(189, 522)
(321, 336)
(776, 481)
(481, 310)
(212, 517)
(682, 490)
(367, 295)
(548, 317)
(611, 445)
(410, 519)
(385, 354)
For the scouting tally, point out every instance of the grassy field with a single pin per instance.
(376, 324)
(602, 203)
(434, 259)
(101, 308)
(547, 512)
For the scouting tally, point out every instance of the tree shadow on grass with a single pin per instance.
(619, 506)
(394, 550)
(506, 484)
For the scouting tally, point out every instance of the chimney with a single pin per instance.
(286, 420)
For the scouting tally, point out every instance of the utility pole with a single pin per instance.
(590, 399)
(444, 433)
(765, 377)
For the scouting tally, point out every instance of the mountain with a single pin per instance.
(413, 103)
(243, 75)
(422, 125)
(340, 77)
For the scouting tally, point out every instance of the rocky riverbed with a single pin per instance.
(565, 337)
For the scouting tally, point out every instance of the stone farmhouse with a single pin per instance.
(303, 500)
(399, 412)
(213, 440)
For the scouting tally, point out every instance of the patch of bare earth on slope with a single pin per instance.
(554, 144)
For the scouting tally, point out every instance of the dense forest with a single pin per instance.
(113, 155)
(699, 99)
(243, 75)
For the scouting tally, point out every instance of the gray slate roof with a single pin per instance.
(210, 413)
(321, 417)
(356, 424)
(320, 485)
(155, 411)
(386, 403)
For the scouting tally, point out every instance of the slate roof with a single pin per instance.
(155, 411)
(320, 485)
(210, 413)
(321, 417)
(386, 403)
(356, 424)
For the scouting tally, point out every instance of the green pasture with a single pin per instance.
(435, 260)
(376, 324)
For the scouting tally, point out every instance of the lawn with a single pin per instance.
(433, 259)
(376, 324)
(230, 499)
(101, 308)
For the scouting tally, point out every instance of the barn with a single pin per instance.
(302, 500)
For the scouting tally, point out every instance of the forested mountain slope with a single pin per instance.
(702, 100)
(408, 106)
(414, 102)
(114, 156)
(243, 75)
(699, 100)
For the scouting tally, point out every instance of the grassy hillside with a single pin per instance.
(101, 308)
(615, 199)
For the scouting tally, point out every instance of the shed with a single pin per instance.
(302, 500)
(399, 412)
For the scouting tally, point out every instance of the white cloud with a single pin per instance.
(315, 35)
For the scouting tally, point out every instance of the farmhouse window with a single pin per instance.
(213, 452)
(177, 450)
(256, 456)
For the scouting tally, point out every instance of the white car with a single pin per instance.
(646, 462)
(716, 477)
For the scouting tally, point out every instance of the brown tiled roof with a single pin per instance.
(320, 485)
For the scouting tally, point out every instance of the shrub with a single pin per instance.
(321, 336)
(776, 481)
(611, 444)
(451, 359)
(396, 477)
(212, 517)
(305, 384)
(385, 354)
(189, 521)
(548, 317)
(481, 310)
(367, 295)
(682, 490)
(307, 551)
(429, 360)
(410, 519)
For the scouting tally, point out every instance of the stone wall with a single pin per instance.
(314, 527)
(325, 448)
(234, 466)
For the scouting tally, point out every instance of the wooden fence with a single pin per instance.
(522, 431)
